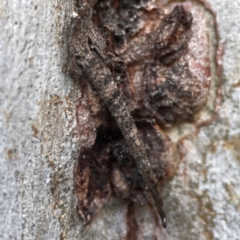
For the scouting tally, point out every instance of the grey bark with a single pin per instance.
(37, 147)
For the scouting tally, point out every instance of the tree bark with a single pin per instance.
(40, 138)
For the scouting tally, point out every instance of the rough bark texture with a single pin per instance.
(39, 139)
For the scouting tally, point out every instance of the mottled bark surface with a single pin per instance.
(41, 136)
